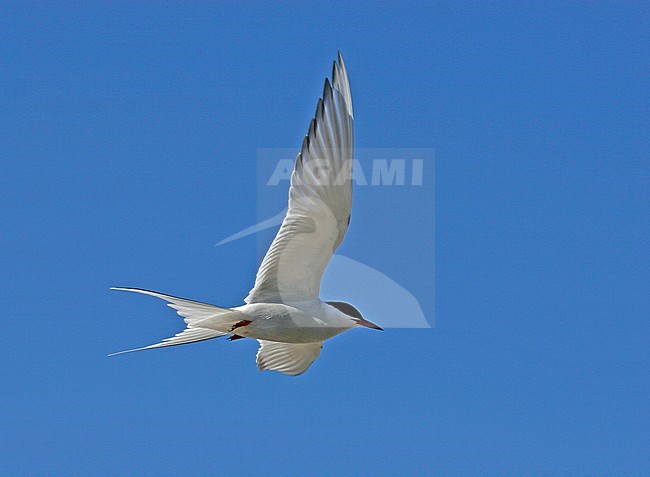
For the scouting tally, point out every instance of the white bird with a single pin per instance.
(283, 311)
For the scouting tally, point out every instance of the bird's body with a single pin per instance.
(283, 311)
(305, 322)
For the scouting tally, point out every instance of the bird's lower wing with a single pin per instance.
(288, 358)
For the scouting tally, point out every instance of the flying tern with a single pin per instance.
(283, 311)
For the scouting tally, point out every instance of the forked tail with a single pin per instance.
(204, 321)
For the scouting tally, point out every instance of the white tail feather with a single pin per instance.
(204, 321)
(188, 335)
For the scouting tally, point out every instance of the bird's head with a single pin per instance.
(355, 314)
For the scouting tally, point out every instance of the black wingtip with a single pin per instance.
(312, 129)
(319, 109)
(326, 87)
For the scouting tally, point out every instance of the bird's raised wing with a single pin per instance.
(320, 199)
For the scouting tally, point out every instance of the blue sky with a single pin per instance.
(128, 147)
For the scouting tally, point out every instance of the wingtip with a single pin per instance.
(319, 109)
(341, 62)
(326, 87)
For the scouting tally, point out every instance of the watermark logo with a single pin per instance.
(391, 282)
(383, 172)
